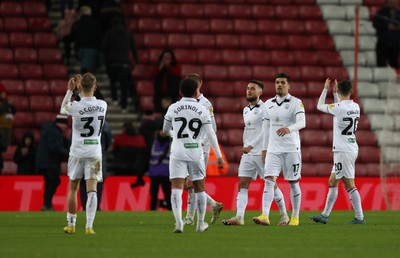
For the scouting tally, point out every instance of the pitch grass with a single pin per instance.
(149, 234)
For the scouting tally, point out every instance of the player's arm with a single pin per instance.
(167, 126)
(336, 97)
(66, 103)
(214, 143)
(321, 101)
(265, 132)
(298, 125)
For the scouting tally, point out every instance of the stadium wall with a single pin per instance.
(25, 193)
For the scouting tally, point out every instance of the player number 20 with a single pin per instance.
(194, 125)
(351, 127)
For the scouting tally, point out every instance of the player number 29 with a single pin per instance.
(194, 125)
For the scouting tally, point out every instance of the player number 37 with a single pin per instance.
(88, 125)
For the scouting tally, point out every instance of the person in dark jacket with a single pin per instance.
(118, 46)
(87, 34)
(24, 155)
(387, 25)
(51, 151)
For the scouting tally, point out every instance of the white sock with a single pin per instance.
(176, 202)
(355, 200)
(268, 196)
(295, 196)
(201, 201)
(280, 201)
(91, 208)
(241, 202)
(191, 203)
(210, 201)
(71, 219)
(330, 201)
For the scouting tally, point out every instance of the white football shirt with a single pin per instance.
(346, 116)
(187, 117)
(252, 134)
(207, 104)
(282, 115)
(88, 117)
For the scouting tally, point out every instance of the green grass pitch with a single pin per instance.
(149, 234)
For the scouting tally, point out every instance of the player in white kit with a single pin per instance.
(190, 121)
(251, 163)
(88, 116)
(345, 149)
(216, 207)
(284, 117)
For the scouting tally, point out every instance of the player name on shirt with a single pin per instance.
(187, 107)
(91, 109)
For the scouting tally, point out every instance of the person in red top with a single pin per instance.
(128, 149)
(167, 76)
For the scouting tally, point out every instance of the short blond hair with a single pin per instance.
(88, 81)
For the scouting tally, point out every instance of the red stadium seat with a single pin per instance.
(310, 12)
(244, 26)
(373, 169)
(235, 137)
(239, 88)
(313, 73)
(146, 104)
(225, 104)
(145, 88)
(327, 121)
(58, 101)
(186, 69)
(315, 27)
(4, 41)
(298, 89)
(57, 87)
(222, 137)
(209, 56)
(34, 9)
(55, 71)
(286, 12)
(280, 2)
(221, 26)
(329, 58)
(231, 153)
(1, 24)
(10, 8)
(268, 27)
(142, 72)
(203, 41)
(152, 40)
(37, 87)
(191, 11)
(313, 121)
(240, 72)
(197, 26)
(232, 121)
(14, 24)
(142, 9)
(146, 25)
(363, 123)
(20, 102)
(215, 11)
(366, 138)
(132, 25)
(186, 56)
(309, 105)
(143, 56)
(173, 25)
(292, 27)
(6, 55)
(369, 154)
(251, 41)
(302, 57)
(214, 72)
(9, 168)
(275, 42)
(39, 24)
(322, 42)
(42, 103)
(167, 10)
(49, 55)
(219, 89)
(304, 2)
(314, 138)
(233, 169)
(262, 72)
(23, 119)
(320, 154)
(154, 54)
(339, 73)
(281, 57)
(25, 55)
(18, 133)
(374, 2)
(226, 41)
(8, 71)
(263, 11)
(314, 88)
(8, 155)
(45, 39)
(43, 116)
(257, 57)
(30, 71)
(179, 41)
(230, 56)
(14, 87)
(293, 71)
(218, 121)
(299, 42)
(239, 11)
(20, 39)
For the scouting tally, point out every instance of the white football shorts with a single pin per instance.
(87, 168)
(344, 164)
(289, 163)
(251, 166)
(181, 169)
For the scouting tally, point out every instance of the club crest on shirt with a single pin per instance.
(256, 111)
(287, 106)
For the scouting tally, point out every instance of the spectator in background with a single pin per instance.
(24, 155)
(118, 46)
(3, 148)
(128, 149)
(387, 25)
(159, 168)
(87, 34)
(7, 111)
(110, 10)
(106, 140)
(167, 76)
(66, 5)
(63, 31)
(51, 151)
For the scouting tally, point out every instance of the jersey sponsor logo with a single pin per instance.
(90, 141)
(351, 140)
(191, 145)
(211, 110)
(331, 106)
(270, 107)
(353, 112)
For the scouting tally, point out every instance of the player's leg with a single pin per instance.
(201, 205)
(91, 204)
(177, 174)
(191, 203)
(292, 173)
(72, 204)
(280, 201)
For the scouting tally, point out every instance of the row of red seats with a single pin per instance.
(30, 120)
(244, 41)
(301, 10)
(246, 56)
(238, 26)
(35, 103)
(31, 24)
(28, 39)
(35, 87)
(272, 2)
(14, 8)
(259, 72)
(33, 71)
(30, 55)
